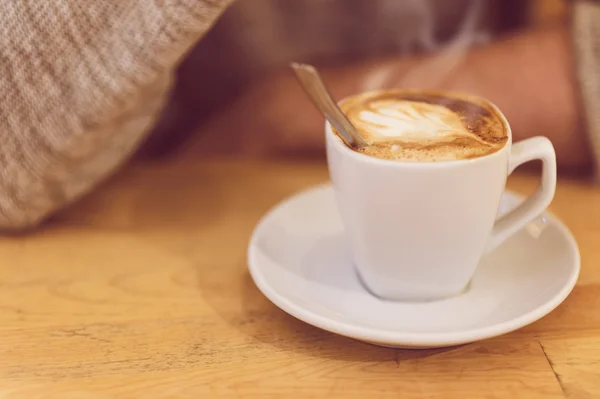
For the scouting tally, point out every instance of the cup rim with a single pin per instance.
(446, 163)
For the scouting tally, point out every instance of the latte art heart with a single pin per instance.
(422, 126)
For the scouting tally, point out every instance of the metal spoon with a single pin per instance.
(319, 95)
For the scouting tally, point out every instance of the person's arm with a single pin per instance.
(530, 76)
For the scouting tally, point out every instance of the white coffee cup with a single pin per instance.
(417, 230)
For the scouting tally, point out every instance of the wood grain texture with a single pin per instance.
(142, 290)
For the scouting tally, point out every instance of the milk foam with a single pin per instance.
(386, 120)
(425, 126)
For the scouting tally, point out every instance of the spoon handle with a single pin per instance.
(319, 95)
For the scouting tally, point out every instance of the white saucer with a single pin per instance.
(299, 260)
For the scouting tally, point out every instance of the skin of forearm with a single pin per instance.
(529, 76)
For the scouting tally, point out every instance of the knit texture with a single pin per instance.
(82, 82)
(586, 39)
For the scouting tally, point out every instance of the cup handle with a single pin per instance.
(524, 151)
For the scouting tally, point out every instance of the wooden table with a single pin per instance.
(142, 291)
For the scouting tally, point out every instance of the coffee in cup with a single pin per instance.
(405, 125)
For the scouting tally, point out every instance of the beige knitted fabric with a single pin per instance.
(72, 77)
(586, 38)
